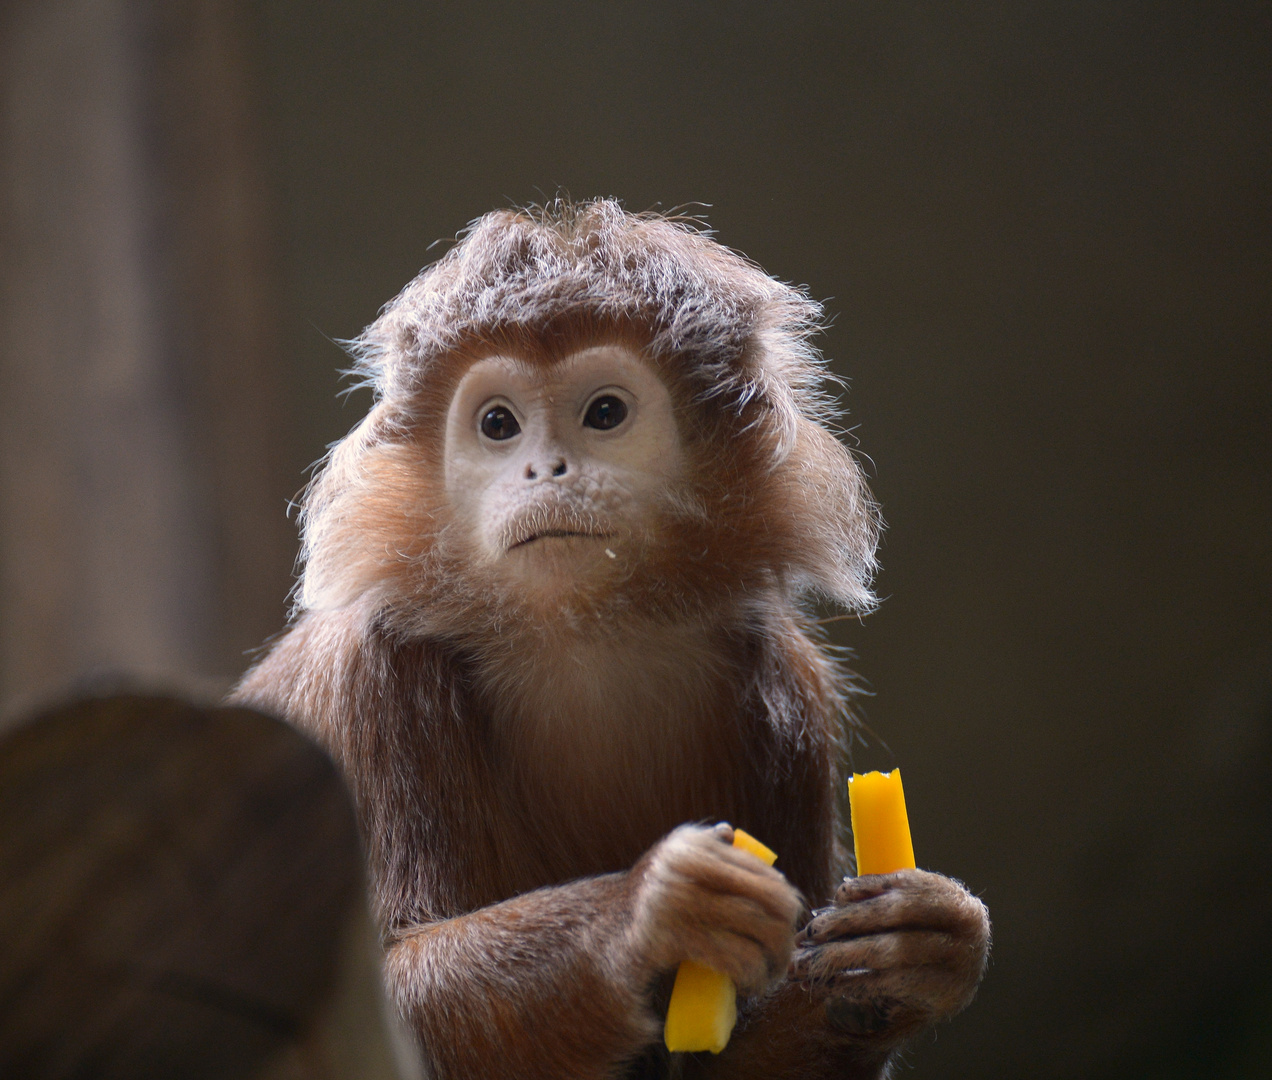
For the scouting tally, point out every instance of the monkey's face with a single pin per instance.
(555, 473)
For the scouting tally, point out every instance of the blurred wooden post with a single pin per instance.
(181, 894)
(143, 433)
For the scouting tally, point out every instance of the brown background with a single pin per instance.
(1043, 234)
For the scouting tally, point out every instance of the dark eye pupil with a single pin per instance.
(605, 413)
(499, 423)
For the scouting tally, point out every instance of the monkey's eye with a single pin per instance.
(605, 412)
(499, 423)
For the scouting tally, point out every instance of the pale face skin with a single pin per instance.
(554, 472)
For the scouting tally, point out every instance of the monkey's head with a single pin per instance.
(587, 413)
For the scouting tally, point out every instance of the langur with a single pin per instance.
(553, 627)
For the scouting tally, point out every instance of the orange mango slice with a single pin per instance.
(880, 828)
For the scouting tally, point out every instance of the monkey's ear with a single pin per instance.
(839, 521)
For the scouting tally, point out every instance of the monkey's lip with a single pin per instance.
(551, 534)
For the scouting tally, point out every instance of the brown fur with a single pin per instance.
(517, 765)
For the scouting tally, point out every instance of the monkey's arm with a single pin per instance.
(891, 955)
(524, 988)
(559, 982)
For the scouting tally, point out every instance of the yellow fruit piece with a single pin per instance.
(703, 1009)
(704, 1002)
(880, 828)
(748, 843)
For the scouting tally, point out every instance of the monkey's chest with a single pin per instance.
(589, 792)
(600, 745)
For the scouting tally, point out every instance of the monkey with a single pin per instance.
(554, 624)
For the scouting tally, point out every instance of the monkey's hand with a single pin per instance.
(890, 955)
(561, 981)
(893, 953)
(696, 897)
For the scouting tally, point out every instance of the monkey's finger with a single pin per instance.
(746, 876)
(931, 903)
(877, 952)
(763, 916)
(862, 888)
(868, 885)
(752, 960)
(742, 959)
(904, 998)
(721, 897)
(690, 841)
(932, 889)
(723, 832)
(727, 871)
(739, 917)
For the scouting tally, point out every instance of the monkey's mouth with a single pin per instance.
(553, 521)
(550, 534)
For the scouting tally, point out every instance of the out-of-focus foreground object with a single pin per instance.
(181, 895)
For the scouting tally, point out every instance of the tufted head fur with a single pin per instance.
(779, 503)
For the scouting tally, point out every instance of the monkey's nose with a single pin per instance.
(557, 467)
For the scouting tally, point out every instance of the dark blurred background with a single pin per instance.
(1043, 234)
